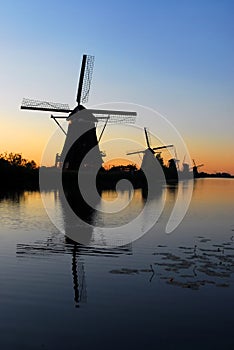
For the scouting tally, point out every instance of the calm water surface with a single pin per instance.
(163, 291)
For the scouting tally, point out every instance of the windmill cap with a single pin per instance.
(85, 116)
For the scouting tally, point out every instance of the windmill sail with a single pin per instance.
(86, 73)
(161, 147)
(114, 117)
(37, 105)
(147, 138)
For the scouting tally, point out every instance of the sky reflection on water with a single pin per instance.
(163, 290)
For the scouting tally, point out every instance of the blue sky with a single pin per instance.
(175, 56)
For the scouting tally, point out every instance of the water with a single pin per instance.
(166, 291)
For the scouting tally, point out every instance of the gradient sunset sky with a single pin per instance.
(173, 56)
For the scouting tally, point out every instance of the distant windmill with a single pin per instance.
(195, 167)
(185, 168)
(149, 152)
(81, 136)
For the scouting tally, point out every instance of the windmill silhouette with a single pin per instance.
(81, 136)
(149, 153)
(195, 168)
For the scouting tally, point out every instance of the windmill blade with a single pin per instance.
(45, 106)
(80, 84)
(112, 112)
(118, 119)
(147, 138)
(136, 152)
(161, 147)
(114, 117)
(86, 73)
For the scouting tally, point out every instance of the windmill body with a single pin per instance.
(148, 160)
(81, 139)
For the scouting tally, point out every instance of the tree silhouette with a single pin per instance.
(16, 171)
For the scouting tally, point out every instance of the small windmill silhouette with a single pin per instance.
(149, 152)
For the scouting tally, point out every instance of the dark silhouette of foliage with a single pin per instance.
(124, 168)
(18, 172)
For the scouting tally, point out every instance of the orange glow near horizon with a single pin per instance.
(217, 161)
(31, 135)
(217, 156)
(117, 162)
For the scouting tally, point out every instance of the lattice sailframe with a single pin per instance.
(117, 119)
(88, 73)
(45, 106)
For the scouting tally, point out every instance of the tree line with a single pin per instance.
(16, 171)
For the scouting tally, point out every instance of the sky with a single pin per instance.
(172, 56)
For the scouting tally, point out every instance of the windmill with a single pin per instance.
(81, 136)
(149, 152)
(195, 167)
(185, 168)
